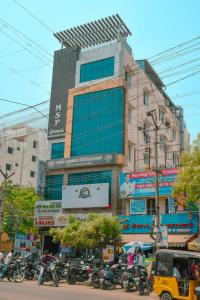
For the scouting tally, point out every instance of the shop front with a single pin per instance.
(137, 191)
(181, 228)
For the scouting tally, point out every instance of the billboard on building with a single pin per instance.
(25, 242)
(49, 213)
(64, 69)
(81, 161)
(41, 177)
(85, 196)
(142, 184)
(179, 223)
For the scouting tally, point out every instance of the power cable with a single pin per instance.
(35, 17)
(26, 48)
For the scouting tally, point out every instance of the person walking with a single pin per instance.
(140, 259)
(8, 260)
(130, 259)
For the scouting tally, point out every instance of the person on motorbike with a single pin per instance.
(8, 260)
(1, 258)
(45, 259)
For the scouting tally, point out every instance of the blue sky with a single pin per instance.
(156, 25)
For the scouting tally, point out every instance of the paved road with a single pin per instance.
(31, 291)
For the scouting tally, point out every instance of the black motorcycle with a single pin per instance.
(14, 272)
(112, 276)
(130, 279)
(62, 270)
(144, 284)
(49, 274)
(79, 273)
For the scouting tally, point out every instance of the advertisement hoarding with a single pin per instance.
(138, 206)
(85, 196)
(41, 177)
(81, 161)
(24, 242)
(142, 184)
(108, 254)
(49, 213)
(176, 223)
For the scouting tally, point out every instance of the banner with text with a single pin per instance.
(49, 213)
(142, 184)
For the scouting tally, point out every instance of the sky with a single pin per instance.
(156, 25)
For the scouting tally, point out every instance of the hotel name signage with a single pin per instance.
(81, 161)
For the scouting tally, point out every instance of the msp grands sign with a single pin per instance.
(142, 184)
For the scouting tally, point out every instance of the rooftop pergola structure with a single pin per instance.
(93, 33)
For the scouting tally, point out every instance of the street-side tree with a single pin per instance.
(187, 187)
(18, 212)
(96, 231)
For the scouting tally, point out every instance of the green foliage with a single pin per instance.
(96, 231)
(19, 208)
(188, 181)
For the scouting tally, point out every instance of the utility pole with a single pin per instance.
(3, 195)
(156, 232)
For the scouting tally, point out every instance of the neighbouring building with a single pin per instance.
(100, 97)
(21, 148)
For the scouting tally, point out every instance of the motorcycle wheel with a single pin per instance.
(10, 279)
(18, 276)
(129, 289)
(141, 289)
(95, 281)
(29, 277)
(40, 281)
(55, 279)
(106, 284)
(71, 278)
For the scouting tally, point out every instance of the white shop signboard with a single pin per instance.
(85, 196)
(49, 213)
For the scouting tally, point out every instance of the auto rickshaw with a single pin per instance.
(167, 284)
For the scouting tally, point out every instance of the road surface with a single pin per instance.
(29, 290)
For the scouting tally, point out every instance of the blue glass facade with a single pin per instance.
(54, 185)
(97, 69)
(98, 122)
(91, 177)
(57, 150)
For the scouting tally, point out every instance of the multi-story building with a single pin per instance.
(21, 148)
(99, 100)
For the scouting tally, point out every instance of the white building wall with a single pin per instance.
(137, 84)
(21, 139)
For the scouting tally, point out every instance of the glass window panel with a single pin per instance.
(54, 185)
(97, 69)
(98, 123)
(57, 150)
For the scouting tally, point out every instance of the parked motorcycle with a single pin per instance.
(14, 272)
(62, 270)
(130, 279)
(112, 276)
(49, 274)
(144, 285)
(79, 273)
